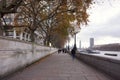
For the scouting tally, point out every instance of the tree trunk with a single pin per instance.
(32, 36)
(1, 30)
(47, 40)
(33, 41)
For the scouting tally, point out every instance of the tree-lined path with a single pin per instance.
(59, 67)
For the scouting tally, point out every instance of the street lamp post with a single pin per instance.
(74, 31)
(50, 45)
(75, 40)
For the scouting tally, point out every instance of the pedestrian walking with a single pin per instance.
(73, 52)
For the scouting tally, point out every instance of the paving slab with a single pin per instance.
(59, 67)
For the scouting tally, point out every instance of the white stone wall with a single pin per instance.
(16, 54)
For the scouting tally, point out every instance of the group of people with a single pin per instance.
(73, 51)
(62, 50)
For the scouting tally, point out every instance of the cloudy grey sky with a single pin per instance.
(104, 25)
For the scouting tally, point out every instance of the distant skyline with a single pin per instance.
(104, 25)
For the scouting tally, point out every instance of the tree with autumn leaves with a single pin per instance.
(52, 18)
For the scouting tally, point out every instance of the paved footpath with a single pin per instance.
(59, 67)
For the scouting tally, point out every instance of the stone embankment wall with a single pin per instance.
(15, 54)
(107, 65)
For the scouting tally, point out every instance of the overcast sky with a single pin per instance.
(104, 25)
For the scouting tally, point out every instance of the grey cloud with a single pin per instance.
(111, 28)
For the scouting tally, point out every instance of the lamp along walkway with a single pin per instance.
(59, 67)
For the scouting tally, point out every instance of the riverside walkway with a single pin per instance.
(59, 67)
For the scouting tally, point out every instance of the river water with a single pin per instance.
(102, 53)
(116, 54)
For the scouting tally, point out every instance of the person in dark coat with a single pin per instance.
(73, 52)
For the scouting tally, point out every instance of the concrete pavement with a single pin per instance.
(59, 67)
